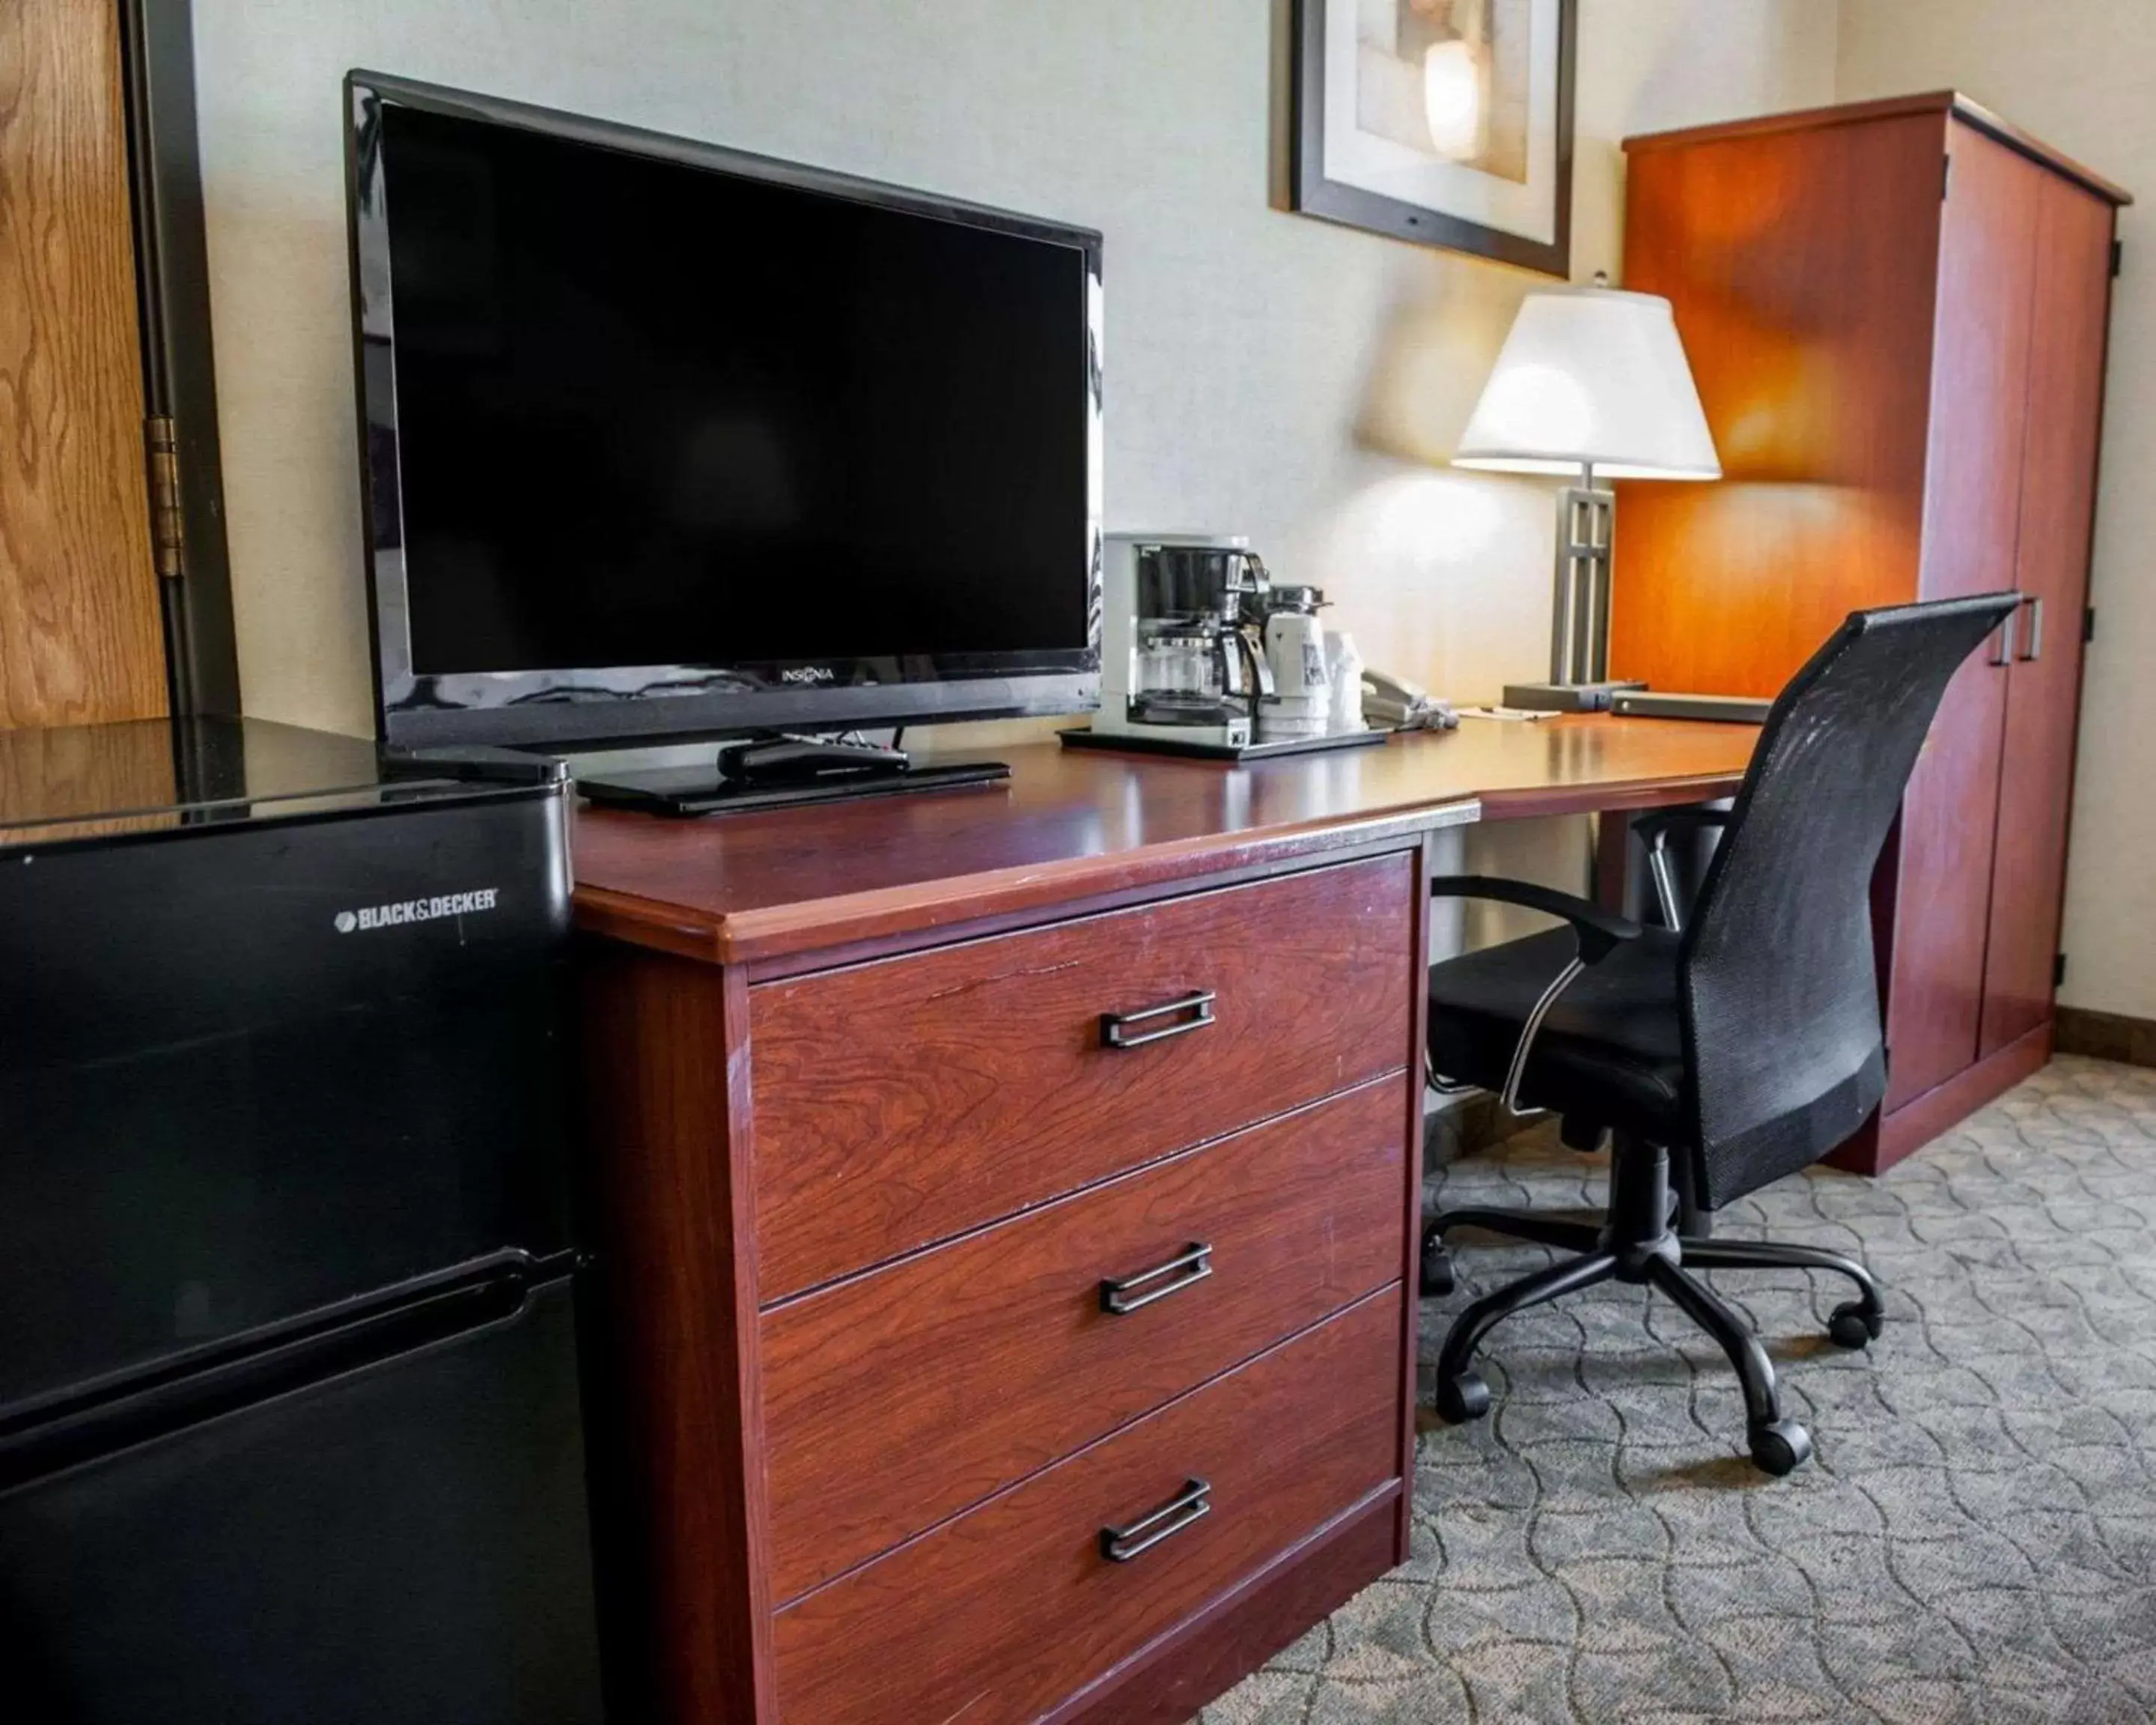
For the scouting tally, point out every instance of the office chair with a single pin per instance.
(1745, 1047)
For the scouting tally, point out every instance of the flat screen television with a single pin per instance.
(663, 440)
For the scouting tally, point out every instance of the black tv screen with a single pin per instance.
(664, 439)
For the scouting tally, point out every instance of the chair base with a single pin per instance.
(1635, 1242)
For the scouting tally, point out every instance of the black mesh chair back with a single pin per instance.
(1778, 987)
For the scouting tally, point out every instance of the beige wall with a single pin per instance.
(2075, 72)
(1267, 374)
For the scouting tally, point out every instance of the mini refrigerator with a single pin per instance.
(289, 1416)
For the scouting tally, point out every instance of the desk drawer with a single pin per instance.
(902, 1102)
(1001, 1613)
(897, 1397)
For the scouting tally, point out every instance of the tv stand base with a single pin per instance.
(803, 760)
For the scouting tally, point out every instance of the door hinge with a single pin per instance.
(1946, 180)
(2059, 971)
(2088, 624)
(2117, 257)
(168, 537)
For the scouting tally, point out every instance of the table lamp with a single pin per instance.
(1592, 382)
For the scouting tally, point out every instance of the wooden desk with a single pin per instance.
(1072, 825)
(982, 1173)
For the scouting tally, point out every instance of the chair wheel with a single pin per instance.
(1437, 1276)
(1462, 1399)
(1780, 1447)
(1852, 1327)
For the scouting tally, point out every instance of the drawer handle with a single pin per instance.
(1115, 1026)
(1192, 1503)
(1194, 1262)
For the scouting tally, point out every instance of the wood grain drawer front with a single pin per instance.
(898, 1398)
(999, 1616)
(902, 1102)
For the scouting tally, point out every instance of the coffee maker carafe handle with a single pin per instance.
(1232, 650)
(1259, 680)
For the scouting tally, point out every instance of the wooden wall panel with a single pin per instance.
(81, 638)
(1801, 266)
(2071, 318)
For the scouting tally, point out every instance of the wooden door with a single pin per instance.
(1972, 521)
(2073, 312)
(81, 636)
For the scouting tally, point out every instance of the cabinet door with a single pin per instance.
(1972, 515)
(2058, 501)
(81, 637)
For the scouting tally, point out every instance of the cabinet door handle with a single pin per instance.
(1115, 1026)
(2035, 650)
(1192, 1503)
(1185, 1270)
(2002, 645)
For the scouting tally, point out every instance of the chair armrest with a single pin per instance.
(1653, 829)
(1600, 933)
(1653, 825)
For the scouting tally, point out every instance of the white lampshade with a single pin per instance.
(1591, 377)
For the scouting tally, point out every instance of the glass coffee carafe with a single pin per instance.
(1185, 674)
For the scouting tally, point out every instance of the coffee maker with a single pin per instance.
(1181, 666)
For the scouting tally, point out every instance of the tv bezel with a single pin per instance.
(617, 706)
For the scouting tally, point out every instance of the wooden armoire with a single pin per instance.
(1896, 313)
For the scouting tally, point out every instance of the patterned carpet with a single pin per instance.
(1976, 1540)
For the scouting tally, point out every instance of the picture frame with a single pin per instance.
(1497, 78)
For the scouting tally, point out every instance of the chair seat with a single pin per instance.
(1611, 1050)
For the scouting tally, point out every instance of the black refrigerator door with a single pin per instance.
(250, 1073)
(402, 1543)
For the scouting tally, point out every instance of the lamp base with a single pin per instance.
(1568, 697)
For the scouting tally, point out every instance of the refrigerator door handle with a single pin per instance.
(163, 1402)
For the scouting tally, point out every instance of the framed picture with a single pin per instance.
(1444, 122)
